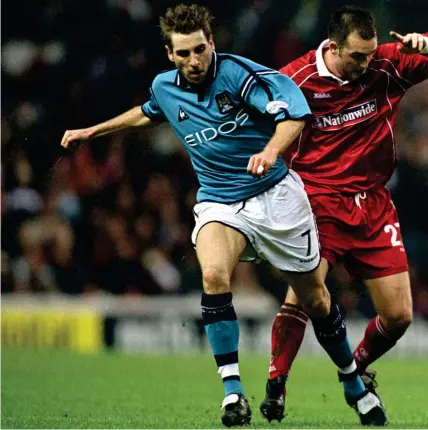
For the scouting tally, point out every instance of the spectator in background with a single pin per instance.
(44, 88)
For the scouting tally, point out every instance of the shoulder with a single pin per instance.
(390, 60)
(386, 54)
(167, 76)
(387, 50)
(300, 69)
(230, 62)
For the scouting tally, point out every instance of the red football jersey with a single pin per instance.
(349, 145)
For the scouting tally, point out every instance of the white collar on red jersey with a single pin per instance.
(322, 68)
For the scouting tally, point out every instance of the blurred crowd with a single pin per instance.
(116, 215)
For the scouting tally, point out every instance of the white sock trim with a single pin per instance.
(380, 328)
(231, 398)
(229, 370)
(348, 369)
(285, 307)
(285, 314)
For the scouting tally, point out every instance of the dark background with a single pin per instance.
(115, 217)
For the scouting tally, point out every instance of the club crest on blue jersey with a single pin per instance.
(224, 102)
(182, 115)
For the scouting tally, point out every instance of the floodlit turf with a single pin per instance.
(50, 389)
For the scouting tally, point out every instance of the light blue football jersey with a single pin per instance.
(226, 120)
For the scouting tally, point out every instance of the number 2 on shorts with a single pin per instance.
(389, 228)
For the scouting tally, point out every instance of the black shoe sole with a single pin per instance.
(230, 421)
(376, 418)
(272, 412)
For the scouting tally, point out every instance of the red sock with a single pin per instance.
(375, 343)
(288, 331)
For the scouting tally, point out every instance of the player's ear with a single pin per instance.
(169, 53)
(334, 48)
(212, 44)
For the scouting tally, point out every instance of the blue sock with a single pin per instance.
(331, 334)
(352, 382)
(221, 326)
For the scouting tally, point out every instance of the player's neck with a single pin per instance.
(330, 63)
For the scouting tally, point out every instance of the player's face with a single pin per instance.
(192, 55)
(354, 56)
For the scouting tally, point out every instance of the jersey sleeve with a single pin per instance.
(287, 70)
(411, 67)
(274, 94)
(152, 109)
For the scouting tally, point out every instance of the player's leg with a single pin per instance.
(218, 248)
(287, 335)
(330, 331)
(294, 249)
(288, 330)
(392, 299)
(289, 325)
(381, 260)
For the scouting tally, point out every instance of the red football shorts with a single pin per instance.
(363, 231)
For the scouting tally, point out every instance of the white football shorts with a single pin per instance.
(279, 225)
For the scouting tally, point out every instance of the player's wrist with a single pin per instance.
(92, 132)
(272, 151)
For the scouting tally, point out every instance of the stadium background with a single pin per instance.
(96, 253)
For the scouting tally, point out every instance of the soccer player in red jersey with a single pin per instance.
(345, 157)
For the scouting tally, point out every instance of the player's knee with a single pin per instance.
(318, 305)
(398, 321)
(319, 308)
(215, 280)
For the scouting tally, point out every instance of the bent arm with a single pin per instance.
(285, 134)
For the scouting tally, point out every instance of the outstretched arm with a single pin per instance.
(132, 118)
(407, 56)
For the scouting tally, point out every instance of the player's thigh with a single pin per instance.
(218, 248)
(309, 290)
(336, 224)
(378, 251)
(392, 299)
(283, 226)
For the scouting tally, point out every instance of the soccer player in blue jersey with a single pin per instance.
(235, 118)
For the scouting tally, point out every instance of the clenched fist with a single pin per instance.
(260, 163)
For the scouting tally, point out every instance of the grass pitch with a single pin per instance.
(50, 389)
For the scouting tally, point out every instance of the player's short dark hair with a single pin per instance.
(185, 19)
(348, 19)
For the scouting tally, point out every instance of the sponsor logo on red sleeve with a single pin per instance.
(347, 117)
(322, 96)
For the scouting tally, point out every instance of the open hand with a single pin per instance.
(411, 43)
